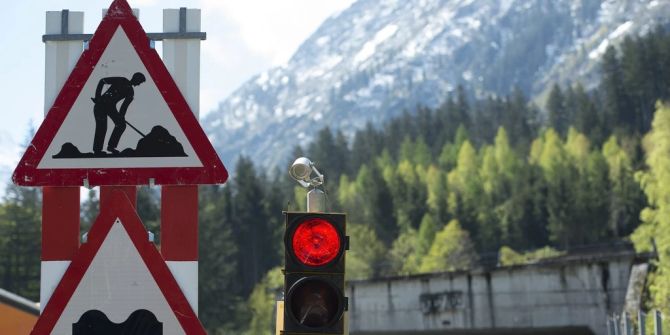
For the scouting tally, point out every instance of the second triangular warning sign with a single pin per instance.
(119, 119)
(118, 281)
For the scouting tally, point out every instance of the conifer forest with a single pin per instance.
(495, 180)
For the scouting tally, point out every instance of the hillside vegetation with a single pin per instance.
(433, 190)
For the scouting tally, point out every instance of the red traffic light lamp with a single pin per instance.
(314, 301)
(315, 242)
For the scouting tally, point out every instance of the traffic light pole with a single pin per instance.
(316, 201)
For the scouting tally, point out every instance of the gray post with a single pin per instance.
(658, 323)
(641, 326)
(627, 327)
(610, 326)
(316, 201)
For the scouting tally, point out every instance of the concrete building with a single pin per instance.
(566, 295)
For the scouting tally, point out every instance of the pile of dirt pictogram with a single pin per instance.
(158, 143)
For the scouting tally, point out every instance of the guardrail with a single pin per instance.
(623, 324)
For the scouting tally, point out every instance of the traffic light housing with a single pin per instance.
(315, 245)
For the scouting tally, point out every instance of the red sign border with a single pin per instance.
(119, 207)
(119, 15)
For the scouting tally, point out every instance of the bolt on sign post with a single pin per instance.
(315, 245)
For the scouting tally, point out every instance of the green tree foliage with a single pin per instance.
(365, 259)
(329, 152)
(251, 226)
(20, 241)
(408, 193)
(452, 250)
(625, 196)
(148, 209)
(558, 110)
(655, 228)
(402, 260)
(616, 98)
(219, 287)
(427, 232)
(436, 186)
(465, 190)
(587, 119)
(487, 165)
(449, 151)
(89, 211)
(240, 229)
(262, 302)
(501, 206)
(507, 256)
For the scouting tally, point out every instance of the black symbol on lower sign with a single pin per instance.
(140, 322)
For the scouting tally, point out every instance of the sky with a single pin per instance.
(244, 38)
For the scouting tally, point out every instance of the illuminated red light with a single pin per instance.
(316, 242)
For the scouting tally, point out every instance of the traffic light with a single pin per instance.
(314, 301)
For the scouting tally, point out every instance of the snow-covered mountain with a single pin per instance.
(378, 57)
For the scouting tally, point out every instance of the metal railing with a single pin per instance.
(623, 324)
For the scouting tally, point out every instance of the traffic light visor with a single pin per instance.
(316, 242)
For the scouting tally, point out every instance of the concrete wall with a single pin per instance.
(568, 292)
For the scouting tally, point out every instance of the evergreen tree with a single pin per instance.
(625, 197)
(401, 260)
(251, 225)
(367, 143)
(449, 152)
(616, 100)
(367, 201)
(366, 257)
(427, 231)
(519, 118)
(20, 241)
(558, 112)
(329, 155)
(219, 286)
(436, 186)
(654, 233)
(587, 118)
(90, 209)
(465, 190)
(148, 209)
(559, 175)
(262, 302)
(408, 193)
(452, 250)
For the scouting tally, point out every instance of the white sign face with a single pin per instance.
(120, 119)
(117, 283)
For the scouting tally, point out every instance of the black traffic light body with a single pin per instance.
(315, 245)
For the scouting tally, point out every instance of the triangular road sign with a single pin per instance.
(119, 119)
(119, 274)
